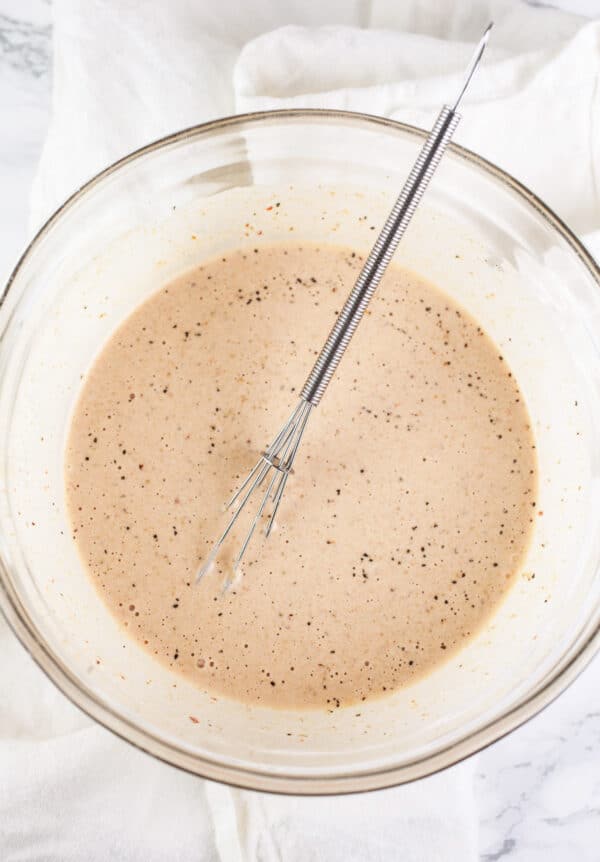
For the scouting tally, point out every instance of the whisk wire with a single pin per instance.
(279, 457)
(281, 473)
(307, 406)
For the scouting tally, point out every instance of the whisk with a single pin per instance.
(273, 467)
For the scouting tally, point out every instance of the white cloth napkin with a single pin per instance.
(126, 72)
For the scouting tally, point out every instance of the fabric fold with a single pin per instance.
(527, 111)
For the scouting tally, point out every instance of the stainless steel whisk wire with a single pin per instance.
(279, 456)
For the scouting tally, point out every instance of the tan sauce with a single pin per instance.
(405, 521)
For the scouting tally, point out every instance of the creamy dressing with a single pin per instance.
(404, 523)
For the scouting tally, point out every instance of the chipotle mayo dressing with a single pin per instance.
(405, 521)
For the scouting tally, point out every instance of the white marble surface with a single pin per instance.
(539, 788)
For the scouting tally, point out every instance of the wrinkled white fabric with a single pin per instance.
(127, 72)
(533, 111)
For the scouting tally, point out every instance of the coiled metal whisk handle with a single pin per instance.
(386, 243)
(380, 256)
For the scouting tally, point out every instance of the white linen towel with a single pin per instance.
(126, 72)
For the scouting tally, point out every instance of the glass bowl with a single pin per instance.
(481, 236)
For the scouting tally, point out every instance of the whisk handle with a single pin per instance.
(380, 256)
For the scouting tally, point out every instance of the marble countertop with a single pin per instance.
(538, 789)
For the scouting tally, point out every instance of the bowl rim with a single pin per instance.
(558, 679)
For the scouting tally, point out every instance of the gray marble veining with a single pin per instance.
(25, 44)
(539, 788)
(25, 68)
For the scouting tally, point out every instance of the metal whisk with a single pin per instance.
(275, 464)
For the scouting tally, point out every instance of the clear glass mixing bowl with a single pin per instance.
(481, 236)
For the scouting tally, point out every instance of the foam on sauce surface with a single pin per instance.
(402, 528)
